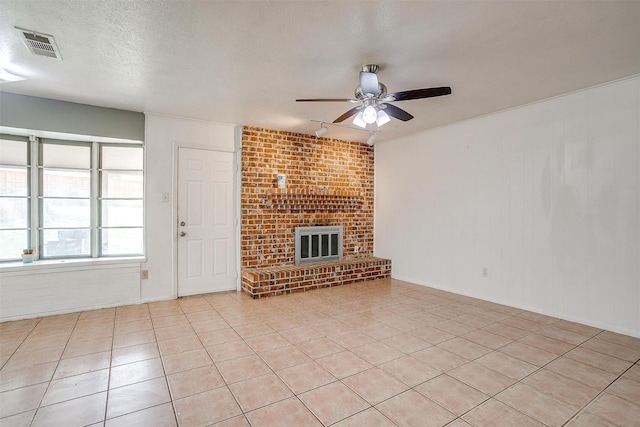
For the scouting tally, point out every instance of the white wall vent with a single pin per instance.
(39, 44)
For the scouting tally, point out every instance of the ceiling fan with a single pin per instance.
(375, 101)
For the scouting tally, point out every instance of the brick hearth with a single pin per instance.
(272, 281)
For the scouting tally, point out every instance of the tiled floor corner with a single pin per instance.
(382, 353)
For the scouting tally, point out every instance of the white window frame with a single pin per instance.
(35, 200)
(99, 199)
(27, 197)
(38, 222)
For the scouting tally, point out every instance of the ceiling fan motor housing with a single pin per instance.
(359, 94)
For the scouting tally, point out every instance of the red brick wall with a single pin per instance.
(310, 164)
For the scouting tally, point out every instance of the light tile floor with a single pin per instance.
(381, 353)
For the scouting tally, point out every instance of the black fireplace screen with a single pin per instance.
(317, 244)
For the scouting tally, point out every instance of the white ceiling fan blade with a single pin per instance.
(369, 83)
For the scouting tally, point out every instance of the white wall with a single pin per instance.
(51, 287)
(545, 196)
(163, 136)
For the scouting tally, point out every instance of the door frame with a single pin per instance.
(237, 182)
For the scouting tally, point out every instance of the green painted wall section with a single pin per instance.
(28, 112)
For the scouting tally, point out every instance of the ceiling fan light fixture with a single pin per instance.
(383, 118)
(372, 139)
(359, 121)
(369, 115)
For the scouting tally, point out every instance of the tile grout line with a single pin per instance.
(33, 417)
(272, 372)
(296, 395)
(518, 381)
(160, 355)
(21, 342)
(35, 413)
(113, 333)
(166, 375)
(227, 385)
(581, 410)
(110, 368)
(324, 335)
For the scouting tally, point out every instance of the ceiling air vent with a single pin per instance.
(40, 44)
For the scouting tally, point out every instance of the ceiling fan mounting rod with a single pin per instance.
(370, 68)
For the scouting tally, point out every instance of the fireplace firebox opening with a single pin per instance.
(318, 244)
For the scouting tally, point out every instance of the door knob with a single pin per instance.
(182, 234)
(182, 223)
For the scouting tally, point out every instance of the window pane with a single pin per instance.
(129, 158)
(122, 213)
(66, 156)
(14, 212)
(122, 184)
(13, 181)
(13, 152)
(122, 241)
(57, 243)
(12, 242)
(59, 213)
(60, 183)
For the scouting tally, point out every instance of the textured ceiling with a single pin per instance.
(246, 62)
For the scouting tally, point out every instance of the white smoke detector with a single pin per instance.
(39, 44)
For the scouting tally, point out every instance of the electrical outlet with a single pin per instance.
(485, 272)
(144, 274)
(356, 249)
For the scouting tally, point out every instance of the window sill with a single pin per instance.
(69, 263)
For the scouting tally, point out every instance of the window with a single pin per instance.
(84, 200)
(121, 203)
(14, 197)
(65, 199)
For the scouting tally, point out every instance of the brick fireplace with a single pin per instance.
(329, 182)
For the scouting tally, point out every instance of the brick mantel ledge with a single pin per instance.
(313, 199)
(272, 281)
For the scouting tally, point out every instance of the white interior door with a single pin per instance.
(206, 248)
